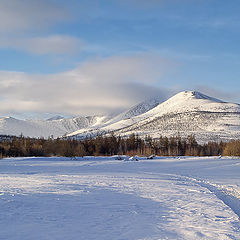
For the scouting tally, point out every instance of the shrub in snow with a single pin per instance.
(133, 158)
(151, 157)
(118, 157)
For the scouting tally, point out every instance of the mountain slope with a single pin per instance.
(56, 117)
(47, 128)
(126, 118)
(136, 110)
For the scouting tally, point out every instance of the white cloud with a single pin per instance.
(126, 68)
(53, 44)
(24, 25)
(25, 15)
(99, 86)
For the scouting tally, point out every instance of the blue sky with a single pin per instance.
(103, 56)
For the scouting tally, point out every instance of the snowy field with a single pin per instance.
(103, 198)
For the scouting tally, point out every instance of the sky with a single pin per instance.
(81, 57)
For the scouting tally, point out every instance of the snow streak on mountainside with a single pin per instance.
(185, 113)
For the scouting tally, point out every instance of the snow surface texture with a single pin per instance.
(103, 198)
(186, 113)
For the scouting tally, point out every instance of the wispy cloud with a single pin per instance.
(53, 44)
(145, 67)
(24, 27)
(99, 86)
(29, 14)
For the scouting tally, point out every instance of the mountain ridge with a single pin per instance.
(187, 112)
(45, 128)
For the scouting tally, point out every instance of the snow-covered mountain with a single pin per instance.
(136, 110)
(126, 118)
(56, 117)
(188, 112)
(55, 127)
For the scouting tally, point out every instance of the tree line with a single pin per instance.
(114, 145)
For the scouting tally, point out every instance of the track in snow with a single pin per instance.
(230, 197)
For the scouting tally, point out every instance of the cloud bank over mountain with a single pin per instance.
(101, 86)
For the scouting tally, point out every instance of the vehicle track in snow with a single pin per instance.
(228, 195)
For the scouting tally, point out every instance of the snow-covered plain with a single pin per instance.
(104, 198)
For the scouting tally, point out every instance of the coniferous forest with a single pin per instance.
(114, 145)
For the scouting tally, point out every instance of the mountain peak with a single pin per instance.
(9, 118)
(56, 117)
(136, 110)
(187, 95)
